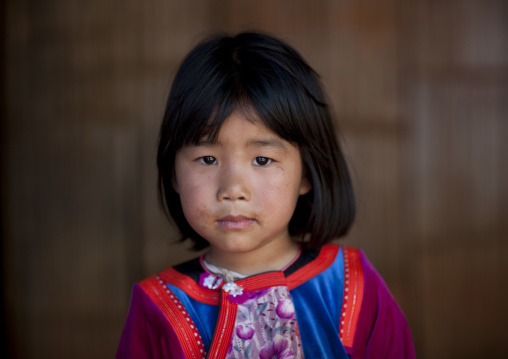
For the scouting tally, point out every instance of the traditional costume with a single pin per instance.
(328, 303)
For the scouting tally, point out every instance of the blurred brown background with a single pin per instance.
(420, 90)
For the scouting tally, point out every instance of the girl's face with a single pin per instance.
(240, 192)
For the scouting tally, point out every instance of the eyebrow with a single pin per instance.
(272, 142)
(205, 142)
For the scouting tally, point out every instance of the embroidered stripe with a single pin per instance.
(208, 296)
(325, 259)
(262, 281)
(175, 313)
(223, 329)
(353, 295)
(190, 287)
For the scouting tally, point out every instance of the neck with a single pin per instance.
(264, 259)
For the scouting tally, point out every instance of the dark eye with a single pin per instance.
(261, 161)
(208, 160)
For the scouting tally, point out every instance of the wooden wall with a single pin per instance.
(419, 88)
(457, 105)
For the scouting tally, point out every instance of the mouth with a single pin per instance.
(235, 222)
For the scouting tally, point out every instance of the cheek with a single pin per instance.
(193, 199)
(278, 195)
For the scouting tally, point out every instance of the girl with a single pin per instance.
(250, 167)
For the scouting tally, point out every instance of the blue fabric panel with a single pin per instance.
(205, 321)
(317, 305)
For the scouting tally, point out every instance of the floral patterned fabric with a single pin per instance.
(265, 324)
(266, 327)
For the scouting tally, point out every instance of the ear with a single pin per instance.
(305, 186)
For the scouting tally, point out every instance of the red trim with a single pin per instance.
(261, 281)
(190, 287)
(325, 259)
(223, 329)
(186, 331)
(175, 313)
(353, 295)
(210, 296)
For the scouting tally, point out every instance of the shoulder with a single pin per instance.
(144, 328)
(381, 326)
(181, 281)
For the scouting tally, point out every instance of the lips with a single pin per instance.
(235, 222)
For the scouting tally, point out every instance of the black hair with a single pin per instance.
(257, 71)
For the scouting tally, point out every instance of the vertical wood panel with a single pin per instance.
(458, 109)
(86, 83)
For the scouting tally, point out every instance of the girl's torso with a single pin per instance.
(308, 310)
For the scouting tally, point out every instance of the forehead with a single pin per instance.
(242, 121)
(245, 128)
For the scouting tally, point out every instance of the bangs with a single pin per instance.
(206, 124)
(247, 79)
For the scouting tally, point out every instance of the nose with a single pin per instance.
(233, 185)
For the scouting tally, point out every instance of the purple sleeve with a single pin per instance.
(147, 333)
(382, 330)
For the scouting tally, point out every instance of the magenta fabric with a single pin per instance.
(382, 330)
(147, 333)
